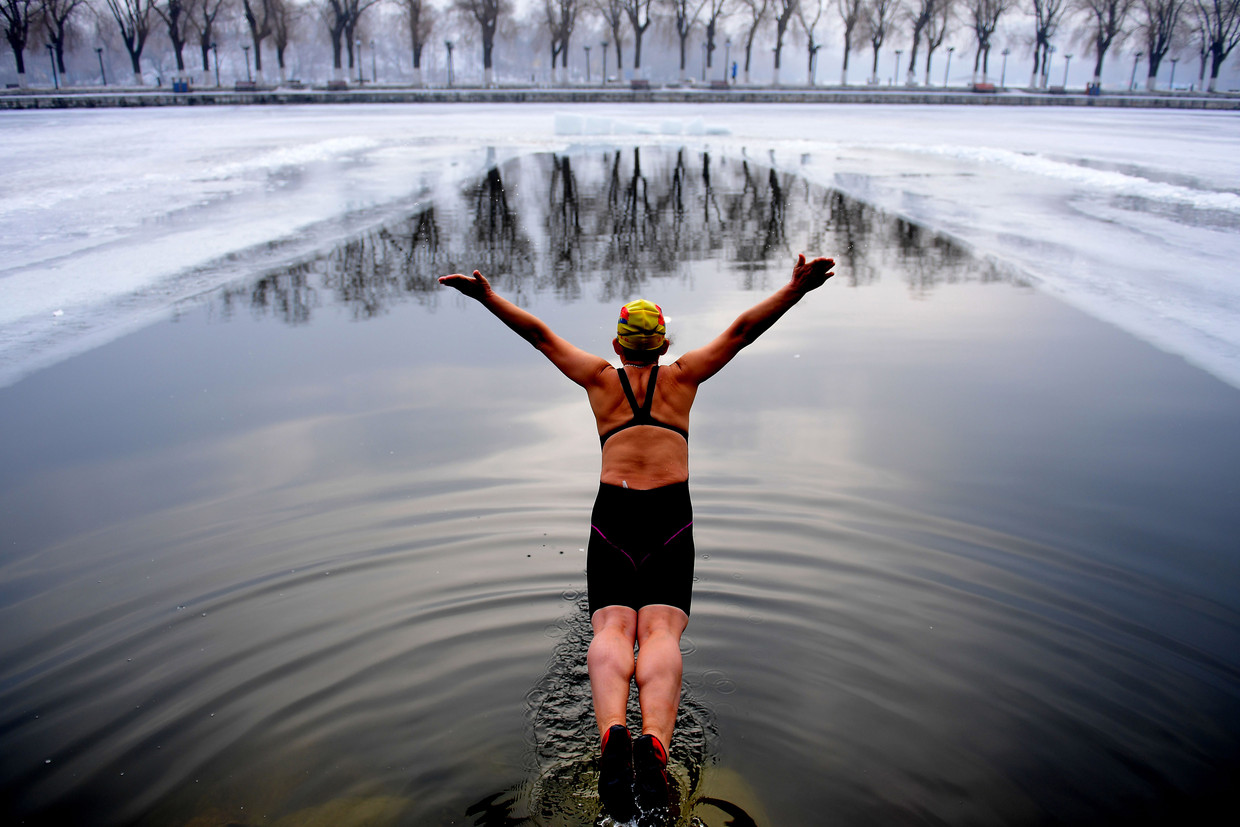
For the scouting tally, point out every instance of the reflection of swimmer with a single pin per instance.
(640, 557)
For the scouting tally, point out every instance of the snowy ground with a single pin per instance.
(109, 219)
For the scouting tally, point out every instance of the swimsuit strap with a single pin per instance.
(628, 390)
(640, 415)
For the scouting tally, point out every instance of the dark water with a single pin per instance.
(311, 553)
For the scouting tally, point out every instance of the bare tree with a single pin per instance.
(284, 15)
(638, 12)
(920, 16)
(258, 17)
(561, 17)
(783, 9)
(17, 16)
(879, 17)
(341, 18)
(1220, 27)
(757, 16)
(1106, 19)
(1158, 23)
(809, 15)
(55, 15)
(984, 19)
(685, 14)
(203, 15)
(851, 12)
(134, 19)
(420, 15)
(612, 12)
(937, 29)
(716, 12)
(487, 14)
(1047, 15)
(176, 16)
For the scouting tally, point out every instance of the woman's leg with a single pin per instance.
(610, 661)
(659, 668)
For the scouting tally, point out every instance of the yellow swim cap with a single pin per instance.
(641, 326)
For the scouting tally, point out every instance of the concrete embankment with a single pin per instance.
(105, 97)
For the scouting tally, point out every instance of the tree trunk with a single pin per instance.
(337, 56)
(1216, 61)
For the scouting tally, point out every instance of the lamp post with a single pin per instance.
(1003, 73)
(1067, 61)
(247, 62)
(51, 55)
(374, 72)
(1171, 85)
(358, 45)
(1132, 82)
(215, 50)
(604, 44)
(727, 58)
(587, 48)
(703, 61)
(896, 79)
(448, 45)
(948, 69)
(102, 72)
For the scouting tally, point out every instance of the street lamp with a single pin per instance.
(448, 45)
(1003, 74)
(374, 72)
(1132, 82)
(587, 48)
(948, 69)
(1067, 61)
(102, 73)
(727, 58)
(361, 81)
(51, 55)
(604, 45)
(703, 61)
(215, 49)
(899, 52)
(1171, 86)
(247, 63)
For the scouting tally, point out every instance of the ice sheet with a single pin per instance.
(109, 219)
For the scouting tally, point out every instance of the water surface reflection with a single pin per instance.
(966, 556)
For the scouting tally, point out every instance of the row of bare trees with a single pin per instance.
(1157, 27)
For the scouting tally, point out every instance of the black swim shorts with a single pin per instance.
(641, 547)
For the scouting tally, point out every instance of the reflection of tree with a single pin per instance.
(616, 219)
(854, 225)
(499, 247)
(565, 239)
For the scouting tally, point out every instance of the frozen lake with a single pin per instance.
(110, 218)
(294, 536)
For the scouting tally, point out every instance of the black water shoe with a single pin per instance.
(615, 774)
(651, 787)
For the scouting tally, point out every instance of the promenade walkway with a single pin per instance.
(95, 97)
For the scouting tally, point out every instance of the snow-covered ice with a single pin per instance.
(109, 219)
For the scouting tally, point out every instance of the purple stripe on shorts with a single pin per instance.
(616, 547)
(673, 537)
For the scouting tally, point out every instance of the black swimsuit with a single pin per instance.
(641, 540)
(641, 416)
